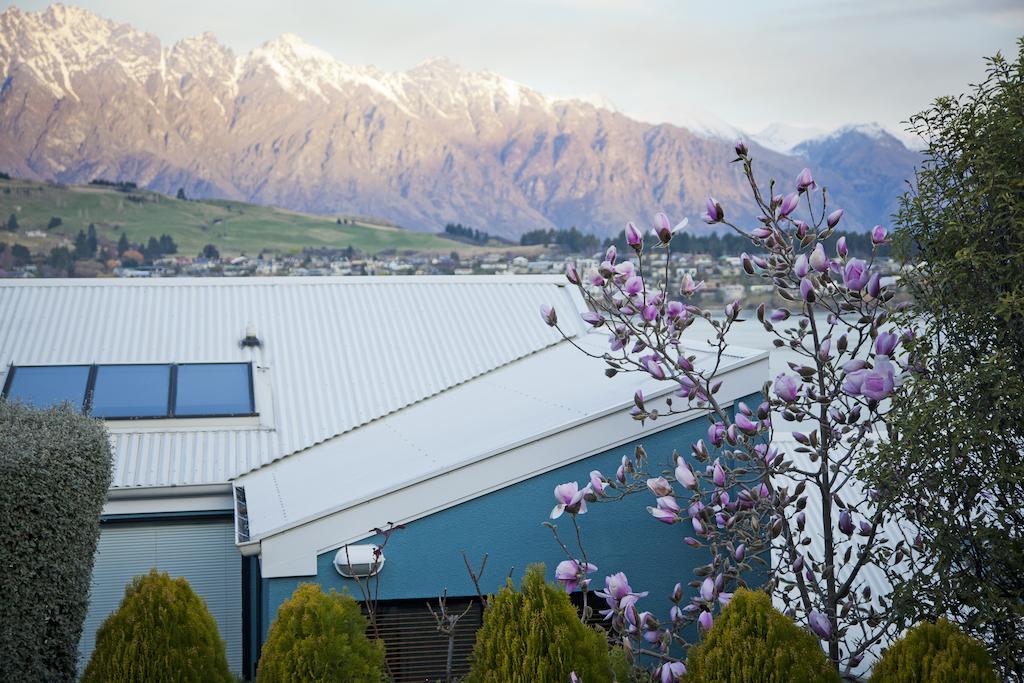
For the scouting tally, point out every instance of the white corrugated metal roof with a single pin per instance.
(544, 394)
(337, 352)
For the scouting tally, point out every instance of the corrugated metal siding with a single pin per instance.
(203, 552)
(339, 352)
(870, 575)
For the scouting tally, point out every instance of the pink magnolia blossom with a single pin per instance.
(547, 312)
(685, 476)
(571, 499)
(634, 238)
(572, 573)
(659, 486)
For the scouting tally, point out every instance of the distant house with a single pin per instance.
(262, 425)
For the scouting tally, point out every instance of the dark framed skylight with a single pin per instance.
(122, 391)
(48, 385)
(138, 391)
(214, 389)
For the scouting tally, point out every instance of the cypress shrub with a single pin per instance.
(622, 670)
(935, 653)
(54, 475)
(534, 635)
(319, 636)
(752, 642)
(161, 632)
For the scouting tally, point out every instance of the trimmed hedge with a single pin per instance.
(54, 475)
(935, 653)
(752, 642)
(534, 635)
(319, 636)
(161, 632)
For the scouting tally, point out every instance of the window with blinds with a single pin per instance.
(416, 651)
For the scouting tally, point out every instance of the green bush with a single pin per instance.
(622, 670)
(319, 636)
(534, 635)
(54, 475)
(935, 653)
(162, 631)
(752, 642)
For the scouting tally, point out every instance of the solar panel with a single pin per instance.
(123, 391)
(213, 389)
(131, 391)
(47, 386)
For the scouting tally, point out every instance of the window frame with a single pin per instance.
(173, 399)
(12, 371)
(172, 389)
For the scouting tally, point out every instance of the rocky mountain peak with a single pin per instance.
(288, 124)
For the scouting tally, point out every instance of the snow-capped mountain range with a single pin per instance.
(288, 124)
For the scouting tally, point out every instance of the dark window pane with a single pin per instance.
(49, 386)
(213, 389)
(131, 391)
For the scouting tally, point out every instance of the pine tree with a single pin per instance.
(161, 632)
(319, 636)
(534, 635)
(752, 642)
(12, 223)
(122, 244)
(82, 245)
(91, 239)
(935, 653)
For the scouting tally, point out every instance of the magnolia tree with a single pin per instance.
(737, 495)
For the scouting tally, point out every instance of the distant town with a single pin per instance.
(722, 275)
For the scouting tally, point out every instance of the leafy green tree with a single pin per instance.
(935, 653)
(954, 461)
(181, 194)
(752, 642)
(55, 222)
(161, 632)
(62, 259)
(21, 255)
(210, 252)
(534, 635)
(319, 636)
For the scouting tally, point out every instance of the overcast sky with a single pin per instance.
(750, 62)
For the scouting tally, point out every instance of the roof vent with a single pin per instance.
(359, 561)
(250, 340)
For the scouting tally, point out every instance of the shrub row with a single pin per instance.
(163, 632)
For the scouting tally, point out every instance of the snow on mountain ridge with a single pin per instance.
(783, 137)
(288, 124)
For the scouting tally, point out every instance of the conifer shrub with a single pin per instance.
(534, 635)
(54, 475)
(622, 670)
(935, 653)
(752, 642)
(319, 636)
(161, 632)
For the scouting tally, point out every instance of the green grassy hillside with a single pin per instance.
(234, 227)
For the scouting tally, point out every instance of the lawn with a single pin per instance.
(234, 227)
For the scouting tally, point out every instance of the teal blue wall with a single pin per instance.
(426, 557)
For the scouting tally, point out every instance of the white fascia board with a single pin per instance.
(156, 500)
(293, 551)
